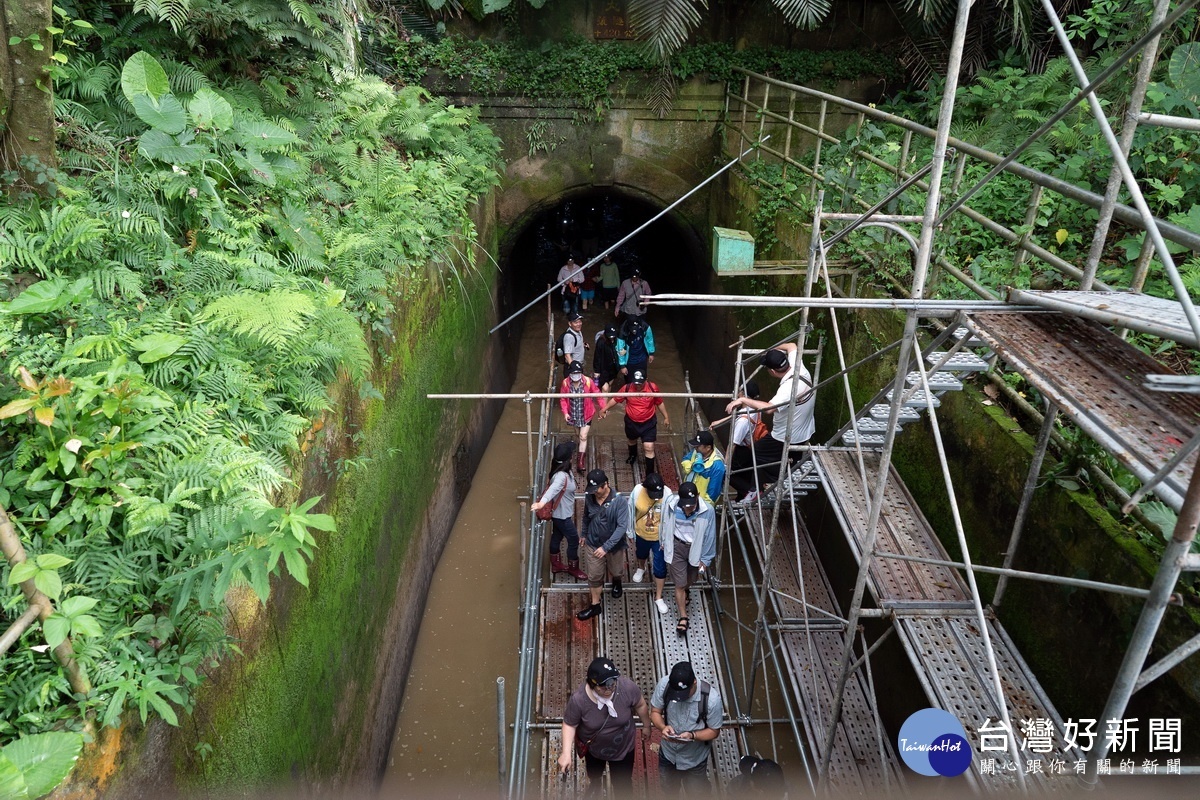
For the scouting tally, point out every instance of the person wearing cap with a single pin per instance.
(610, 279)
(587, 289)
(570, 275)
(561, 491)
(572, 345)
(689, 542)
(758, 777)
(689, 714)
(605, 521)
(641, 416)
(635, 346)
(598, 720)
(742, 435)
(787, 429)
(580, 407)
(606, 366)
(705, 466)
(645, 512)
(629, 296)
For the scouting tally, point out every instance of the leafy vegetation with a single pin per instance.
(221, 249)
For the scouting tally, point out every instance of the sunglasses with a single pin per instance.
(608, 684)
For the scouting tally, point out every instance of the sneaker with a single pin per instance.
(749, 499)
(616, 587)
(637, 576)
(662, 605)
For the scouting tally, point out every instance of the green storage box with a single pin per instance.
(733, 250)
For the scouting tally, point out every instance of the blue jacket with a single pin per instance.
(704, 543)
(708, 474)
(629, 351)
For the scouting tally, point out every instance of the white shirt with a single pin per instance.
(743, 428)
(803, 424)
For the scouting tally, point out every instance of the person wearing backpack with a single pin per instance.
(689, 714)
(561, 493)
(605, 364)
(570, 275)
(572, 345)
(635, 346)
(748, 428)
(580, 407)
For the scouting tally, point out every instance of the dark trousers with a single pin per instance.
(767, 453)
(619, 772)
(564, 528)
(693, 782)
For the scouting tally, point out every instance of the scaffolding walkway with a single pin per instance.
(932, 613)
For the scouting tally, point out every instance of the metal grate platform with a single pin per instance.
(1140, 312)
(1096, 379)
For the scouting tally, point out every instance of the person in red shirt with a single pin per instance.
(641, 416)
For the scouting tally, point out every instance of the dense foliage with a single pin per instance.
(221, 246)
(584, 73)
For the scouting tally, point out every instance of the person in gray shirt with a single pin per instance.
(689, 714)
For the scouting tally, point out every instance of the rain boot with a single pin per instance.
(581, 462)
(575, 572)
(557, 565)
(632, 454)
(650, 465)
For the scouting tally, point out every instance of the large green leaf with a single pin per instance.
(158, 346)
(46, 296)
(259, 168)
(163, 113)
(74, 606)
(48, 583)
(12, 783)
(56, 628)
(143, 75)
(210, 110)
(263, 135)
(1184, 70)
(44, 759)
(158, 146)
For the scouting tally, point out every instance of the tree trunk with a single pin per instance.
(26, 100)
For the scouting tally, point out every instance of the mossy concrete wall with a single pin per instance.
(1072, 639)
(313, 700)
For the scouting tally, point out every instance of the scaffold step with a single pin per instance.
(881, 411)
(938, 381)
(963, 332)
(872, 425)
(962, 361)
(918, 399)
(866, 439)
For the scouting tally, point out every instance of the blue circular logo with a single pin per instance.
(933, 742)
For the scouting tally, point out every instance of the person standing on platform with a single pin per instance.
(561, 491)
(572, 346)
(635, 346)
(598, 726)
(641, 416)
(570, 275)
(629, 296)
(645, 510)
(787, 430)
(705, 466)
(605, 521)
(689, 543)
(741, 436)
(580, 408)
(689, 714)
(606, 365)
(610, 279)
(587, 289)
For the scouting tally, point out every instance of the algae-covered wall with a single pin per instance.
(317, 692)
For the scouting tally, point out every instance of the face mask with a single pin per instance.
(575, 376)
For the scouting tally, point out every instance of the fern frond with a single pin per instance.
(664, 25)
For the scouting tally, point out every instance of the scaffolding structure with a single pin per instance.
(1058, 341)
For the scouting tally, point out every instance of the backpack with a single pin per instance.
(560, 346)
(761, 431)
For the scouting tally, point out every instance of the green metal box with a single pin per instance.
(733, 250)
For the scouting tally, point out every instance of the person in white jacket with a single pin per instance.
(688, 534)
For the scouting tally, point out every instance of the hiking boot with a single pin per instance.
(575, 572)
(589, 612)
(557, 565)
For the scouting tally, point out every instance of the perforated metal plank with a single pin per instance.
(902, 529)
(557, 785)
(866, 439)
(614, 632)
(644, 668)
(917, 399)
(785, 576)
(962, 361)
(1096, 379)
(872, 425)
(938, 381)
(950, 657)
(882, 411)
(555, 652)
(1140, 312)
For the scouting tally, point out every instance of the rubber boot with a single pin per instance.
(575, 572)
(632, 454)
(650, 465)
(581, 462)
(557, 565)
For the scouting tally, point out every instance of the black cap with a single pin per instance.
(574, 315)
(563, 451)
(653, 484)
(570, 258)
(774, 359)
(752, 390)
(611, 331)
(689, 497)
(635, 273)
(637, 377)
(701, 438)
(601, 671)
(575, 367)
(596, 479)
(763, 772)
(680, 683)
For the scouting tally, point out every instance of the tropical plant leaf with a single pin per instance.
(163, 113)
(210, 110)
(1184, 70)
(143, 75)
(157, 145)
(664, 25)
(44, 759)
(804, 13)
(12, 783)
(46, 296)
(158, 346)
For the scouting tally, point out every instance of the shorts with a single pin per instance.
(644, 548)
(613, 562)
(646, 431)
(609, 295)
(587, 294)
(683, 574)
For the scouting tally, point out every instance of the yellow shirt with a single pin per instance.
(647, 516)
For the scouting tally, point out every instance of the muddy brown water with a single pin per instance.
(445, 742)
